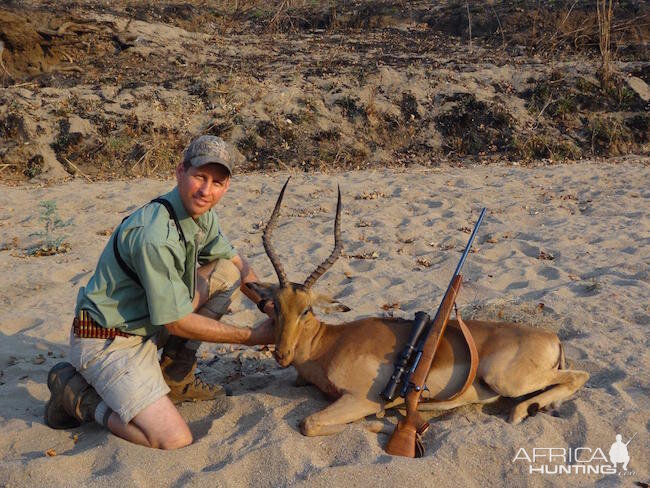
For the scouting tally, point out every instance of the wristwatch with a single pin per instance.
(262, 304)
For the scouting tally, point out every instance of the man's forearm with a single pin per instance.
(198, 327)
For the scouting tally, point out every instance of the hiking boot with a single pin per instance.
(73, 401)
(178, 365)
(55, 415)
(80, 399)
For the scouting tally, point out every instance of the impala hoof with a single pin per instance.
(305, 427)
(518, 414)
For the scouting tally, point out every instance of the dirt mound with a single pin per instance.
(119, 88)
(26, 53)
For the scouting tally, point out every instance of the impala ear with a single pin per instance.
(264, 290)
(328, 304)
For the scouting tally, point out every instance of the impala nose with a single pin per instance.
(281, 358)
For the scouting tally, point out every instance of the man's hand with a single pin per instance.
(263, 333)
(269, 308)
(249, 276)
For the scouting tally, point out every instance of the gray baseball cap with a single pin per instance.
(209, 149)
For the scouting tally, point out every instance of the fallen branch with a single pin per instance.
(17, 85)
(79, 25)
(64, 27)
(548, 102)
(142, 158)
(66, 69)
(276, 17)
(78, 170)
(566, 17)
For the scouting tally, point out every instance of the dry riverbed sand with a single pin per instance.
(564, 247)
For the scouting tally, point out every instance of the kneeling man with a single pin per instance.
(164, 280)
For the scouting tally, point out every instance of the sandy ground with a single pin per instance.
(575, 238)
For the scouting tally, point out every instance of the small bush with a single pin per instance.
(544, 146)
(609, 136)
(474, 127)
(34, 166)
(53, 242)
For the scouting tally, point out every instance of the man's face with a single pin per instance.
(201, 188)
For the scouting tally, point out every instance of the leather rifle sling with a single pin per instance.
(473, 363)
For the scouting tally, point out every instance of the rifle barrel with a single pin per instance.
(469, 243)
(460, 263)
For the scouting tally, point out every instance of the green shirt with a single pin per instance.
(150, 245)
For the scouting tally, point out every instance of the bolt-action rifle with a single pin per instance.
(413, 365)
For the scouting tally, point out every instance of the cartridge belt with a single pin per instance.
(85, 327)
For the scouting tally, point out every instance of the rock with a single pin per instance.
(640, 87)
(109, 91)
(80, 126)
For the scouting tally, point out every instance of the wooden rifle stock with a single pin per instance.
(405, 439)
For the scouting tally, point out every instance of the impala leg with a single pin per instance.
(334, 418)
(381, 426)
(566, 383)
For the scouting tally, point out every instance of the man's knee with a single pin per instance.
(224, 277)
(172, 437)
(223, 282)
(175, 440)
(163, 426)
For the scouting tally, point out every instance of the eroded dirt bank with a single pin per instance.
(118, 88)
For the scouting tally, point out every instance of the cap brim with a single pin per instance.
(203, 160)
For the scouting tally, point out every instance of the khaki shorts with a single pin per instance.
(125, 371)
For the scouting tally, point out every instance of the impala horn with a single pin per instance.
(327, 264)
(266, 239)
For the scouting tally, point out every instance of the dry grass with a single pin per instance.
(604, 9)
(355, 85)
